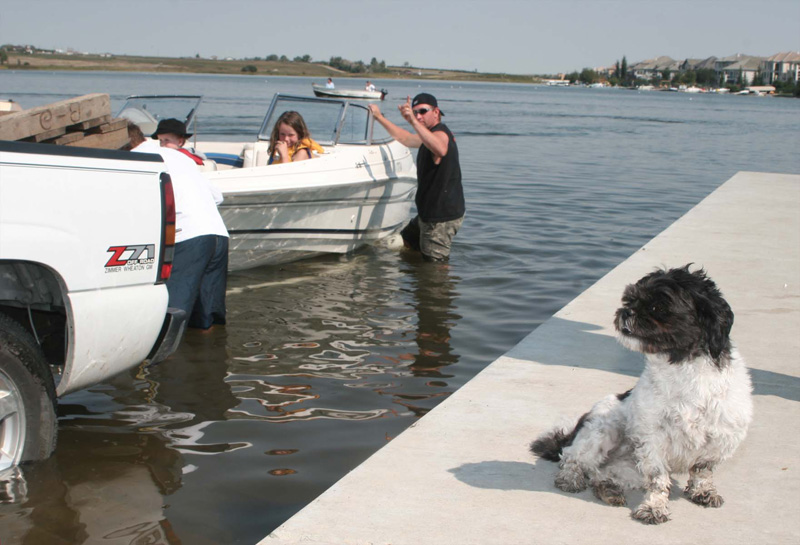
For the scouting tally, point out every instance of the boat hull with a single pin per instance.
(279, 227)
(336, 203)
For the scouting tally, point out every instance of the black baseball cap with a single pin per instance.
(426, 98)
(171, 126)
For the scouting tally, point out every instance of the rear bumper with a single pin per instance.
(170, 337)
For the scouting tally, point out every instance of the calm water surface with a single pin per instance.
(325, 361)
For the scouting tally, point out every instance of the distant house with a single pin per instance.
(724, 62)
(782, 67)
(698, 64)
(654, 68)
(736, 69)
(739, 69)
(689, 64)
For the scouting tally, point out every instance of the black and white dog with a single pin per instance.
(688, 412)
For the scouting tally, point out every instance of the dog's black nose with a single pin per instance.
(624, 316)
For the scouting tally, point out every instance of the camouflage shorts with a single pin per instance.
(432, 239)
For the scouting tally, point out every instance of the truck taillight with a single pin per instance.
(168, 229)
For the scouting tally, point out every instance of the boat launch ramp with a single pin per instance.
(463, 473)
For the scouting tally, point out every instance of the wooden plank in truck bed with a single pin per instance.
(109, 140)
(29, 123)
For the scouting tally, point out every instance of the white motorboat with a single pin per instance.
(9, 106)
(352, 94)
(357, 192)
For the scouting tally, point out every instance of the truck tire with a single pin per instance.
(28, 423)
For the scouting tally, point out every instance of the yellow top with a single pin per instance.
(305, 143)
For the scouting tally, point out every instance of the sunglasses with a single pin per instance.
(422, 111)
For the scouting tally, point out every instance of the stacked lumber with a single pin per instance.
(82, 121)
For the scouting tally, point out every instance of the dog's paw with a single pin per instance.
(649, 514)
(610, 493)
(706, 498)
(571, 480)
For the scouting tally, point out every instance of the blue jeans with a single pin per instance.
(199, 279)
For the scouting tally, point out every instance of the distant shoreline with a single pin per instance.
(126, 63)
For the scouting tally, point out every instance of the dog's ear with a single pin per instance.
(716, 318)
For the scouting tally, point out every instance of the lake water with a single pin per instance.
(325, 361)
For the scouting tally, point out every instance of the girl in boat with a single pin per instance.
(291, 141)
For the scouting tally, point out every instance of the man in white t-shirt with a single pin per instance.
(200, 264)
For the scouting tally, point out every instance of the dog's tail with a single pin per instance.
(550, 445)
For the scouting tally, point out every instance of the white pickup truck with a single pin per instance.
(86, 243)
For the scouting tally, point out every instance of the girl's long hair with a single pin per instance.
(295, 121)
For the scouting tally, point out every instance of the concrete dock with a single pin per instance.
(463, 473)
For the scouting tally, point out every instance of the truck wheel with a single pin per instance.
(28, 422)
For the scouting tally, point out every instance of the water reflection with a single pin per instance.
(341, 372)
(106, 483)
(373, 348)
(433, 289)
(120, 453)
(191, 394)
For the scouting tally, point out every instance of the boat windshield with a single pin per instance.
(330, 121)
(147, 111)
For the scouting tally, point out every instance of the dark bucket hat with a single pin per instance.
(171, 126)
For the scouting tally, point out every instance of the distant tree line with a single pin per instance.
(354, 67)
(358, 67)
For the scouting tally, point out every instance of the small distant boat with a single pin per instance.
(352, 94)
(9, 106)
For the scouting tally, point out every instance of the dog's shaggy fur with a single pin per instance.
(688, 412)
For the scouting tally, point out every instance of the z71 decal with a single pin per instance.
(134, 257)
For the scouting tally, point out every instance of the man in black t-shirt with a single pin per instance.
(440, 196)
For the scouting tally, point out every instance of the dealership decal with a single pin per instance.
(134, 257)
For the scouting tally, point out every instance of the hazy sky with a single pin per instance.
(518, 37)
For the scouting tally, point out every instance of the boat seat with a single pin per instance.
(255, 154)
(247, 155)
(209, 165)
(225, 160)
